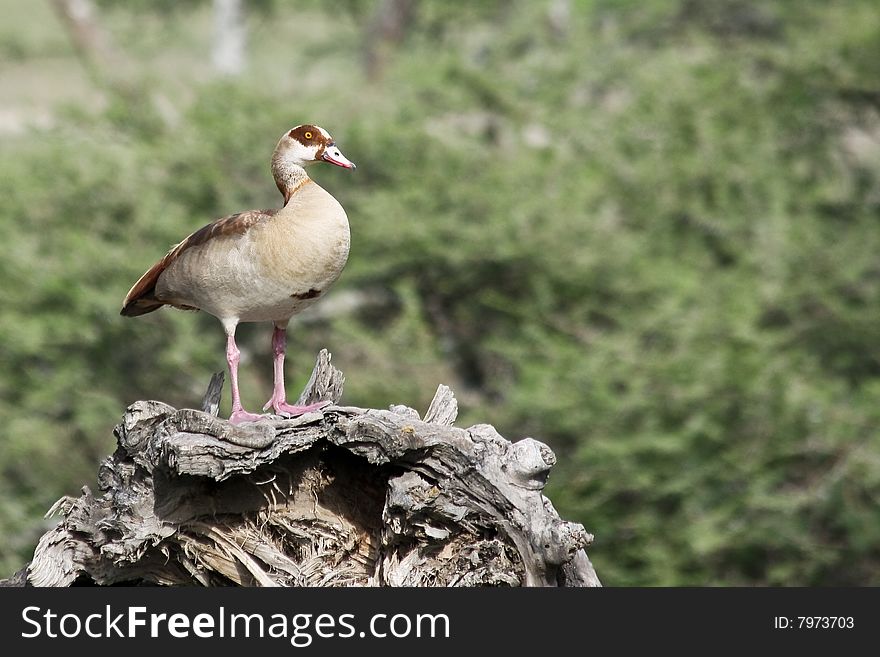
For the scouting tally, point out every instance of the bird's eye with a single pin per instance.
(308, 135)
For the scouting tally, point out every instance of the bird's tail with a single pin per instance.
(141, 306)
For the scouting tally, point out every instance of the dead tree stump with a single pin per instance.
(340, 497)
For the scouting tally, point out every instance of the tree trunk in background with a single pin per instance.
(559, 16)
(387, 28)
(90, 41)
(229, 37)
(339, 497)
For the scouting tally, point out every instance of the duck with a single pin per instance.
(260, 265)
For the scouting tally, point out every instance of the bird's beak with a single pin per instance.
(333, 155)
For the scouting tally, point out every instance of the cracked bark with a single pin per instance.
(342, 496)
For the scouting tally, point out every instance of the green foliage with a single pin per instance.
(649, 241)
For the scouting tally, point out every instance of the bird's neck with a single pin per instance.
(289, 177)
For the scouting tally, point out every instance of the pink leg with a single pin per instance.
(279, 397)
(239, 415)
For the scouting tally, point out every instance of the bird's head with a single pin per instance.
(306, 144)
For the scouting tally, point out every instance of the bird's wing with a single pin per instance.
(141, 299)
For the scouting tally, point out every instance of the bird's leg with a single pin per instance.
(232, 357)
(279, 397)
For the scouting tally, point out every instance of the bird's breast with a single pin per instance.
(303, 250)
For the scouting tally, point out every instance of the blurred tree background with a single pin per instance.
(643, 231)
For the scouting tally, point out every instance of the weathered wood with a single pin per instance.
(211, 400)
(443, 409)
(341, 496)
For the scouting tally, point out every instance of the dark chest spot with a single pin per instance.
(311, 294)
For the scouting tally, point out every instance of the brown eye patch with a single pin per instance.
(307, 135)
